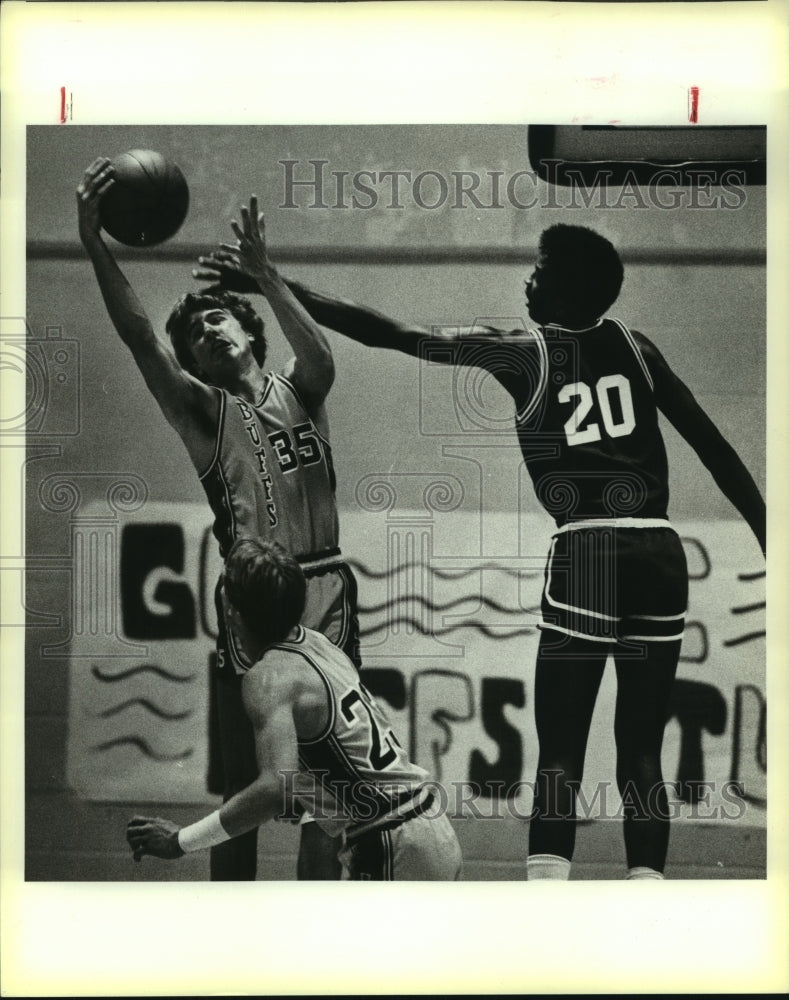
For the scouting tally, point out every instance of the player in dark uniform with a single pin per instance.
(321, 738)
(259, 442)
(587, 393)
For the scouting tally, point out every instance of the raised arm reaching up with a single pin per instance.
(312, 368)
(189, 405)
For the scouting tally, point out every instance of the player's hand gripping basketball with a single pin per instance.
(151, 835)
(96, 180)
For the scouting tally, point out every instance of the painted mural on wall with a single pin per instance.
(448, 610)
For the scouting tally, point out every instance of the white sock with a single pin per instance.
(643, 872)
(547, 866)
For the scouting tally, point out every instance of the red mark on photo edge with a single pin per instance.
(62, 105)
(693, 105)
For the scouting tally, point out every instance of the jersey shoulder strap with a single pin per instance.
(528, 408)
(220, 429)
(636, 350)
(283, 381)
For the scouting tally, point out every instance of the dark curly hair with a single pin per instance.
(266, 585)
(583, 268)
(193, 302)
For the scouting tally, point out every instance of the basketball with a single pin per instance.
(149, 200)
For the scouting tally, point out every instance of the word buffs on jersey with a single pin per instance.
(252, 429)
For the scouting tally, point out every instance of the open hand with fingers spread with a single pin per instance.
(222, 272)
(243, 266)
(96, 181)
(154, 836)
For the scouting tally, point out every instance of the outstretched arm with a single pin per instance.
(269, 695)
(512, 357)
(269, 702)
(221, 270)
(374, 329)
(312, 366)
(460, 344)
(187, 404)
(727, 468)
(361, 323)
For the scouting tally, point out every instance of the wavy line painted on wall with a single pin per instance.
(748, 637)
(403, 611)
(745, 608)
(149, 705)
(143, 746)
(122, 675)
(441, 574)
(411, 599)
(481, 627)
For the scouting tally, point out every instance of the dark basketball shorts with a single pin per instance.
(623, 581)
(330, 608)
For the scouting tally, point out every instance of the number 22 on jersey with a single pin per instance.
(358, 706)
(605, 390)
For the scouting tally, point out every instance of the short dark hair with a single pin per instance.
(194, 302)
(266, 585)
(584, 269)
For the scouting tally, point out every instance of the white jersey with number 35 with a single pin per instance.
(271, 475)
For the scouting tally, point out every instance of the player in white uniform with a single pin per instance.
(259, 443)
(321, 738)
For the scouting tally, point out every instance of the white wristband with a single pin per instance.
(207, 832)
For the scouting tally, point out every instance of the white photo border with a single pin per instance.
(407, 62)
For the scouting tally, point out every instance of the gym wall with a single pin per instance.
(695, 283)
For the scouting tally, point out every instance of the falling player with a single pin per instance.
(320, 737)
(587, 393)
(259, 443)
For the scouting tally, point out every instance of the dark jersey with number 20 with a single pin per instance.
(589, 433)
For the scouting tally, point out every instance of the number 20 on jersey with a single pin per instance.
(605, 390)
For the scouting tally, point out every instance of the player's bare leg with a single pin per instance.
(642, 705)
(568, 675)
